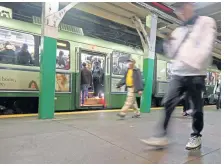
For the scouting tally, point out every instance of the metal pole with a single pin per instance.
(148, 63)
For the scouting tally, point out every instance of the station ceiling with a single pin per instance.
(211, 9)
(123, 12)
(112, 21)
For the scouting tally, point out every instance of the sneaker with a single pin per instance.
(193, 143)
(189, 112)
(121, 114)
(136, 115)
(185, 114)
(156, 141)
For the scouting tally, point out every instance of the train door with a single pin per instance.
(90, 89)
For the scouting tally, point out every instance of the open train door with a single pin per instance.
(91, 97)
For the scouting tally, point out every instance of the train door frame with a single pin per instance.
(79, 52)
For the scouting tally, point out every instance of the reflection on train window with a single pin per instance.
(161, 70)
(120, 63)
(211, 78)
(16, 47)
(168, 71)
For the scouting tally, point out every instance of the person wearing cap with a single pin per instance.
(190, 46)
(86, 81)
(134, 84)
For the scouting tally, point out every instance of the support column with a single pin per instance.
(148, 63)
(47, 63)
(51, 18)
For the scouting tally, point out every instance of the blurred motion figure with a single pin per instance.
(190, 46)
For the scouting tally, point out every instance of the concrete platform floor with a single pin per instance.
(103, 138)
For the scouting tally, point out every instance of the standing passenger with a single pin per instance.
(24, 57)
(190, 46)
(134, 84)
(86, 81)
(97, 78)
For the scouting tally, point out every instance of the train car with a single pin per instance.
(19, 82)
(162, 77)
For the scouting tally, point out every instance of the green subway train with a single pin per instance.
(20, 81)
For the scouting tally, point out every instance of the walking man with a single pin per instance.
(190, 46)
(134, 84)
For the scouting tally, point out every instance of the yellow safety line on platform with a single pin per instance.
(74, 113)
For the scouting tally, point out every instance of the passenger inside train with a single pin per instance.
(23, 56)
(92, 80)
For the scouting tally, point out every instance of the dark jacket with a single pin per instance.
(8, 56)
(24, 58)
(61, 62)
(86, 76)
(137, 79)
(98, 74)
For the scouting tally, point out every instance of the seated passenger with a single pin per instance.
(8, 54)
(24, 57)
(60, 61)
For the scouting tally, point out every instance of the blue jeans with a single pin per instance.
(84, 89)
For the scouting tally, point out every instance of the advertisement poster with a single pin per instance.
(120, 62)
(17, 80)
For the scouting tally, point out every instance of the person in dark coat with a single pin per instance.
(8, 55)
(24, 57)
(86, 81)
(98, 78)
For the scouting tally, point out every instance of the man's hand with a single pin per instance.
(139, 93)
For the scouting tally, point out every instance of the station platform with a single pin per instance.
(103, 138)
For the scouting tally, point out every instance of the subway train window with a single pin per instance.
(120, 62)
(16, 48)
(161, 70)
(63, 55)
